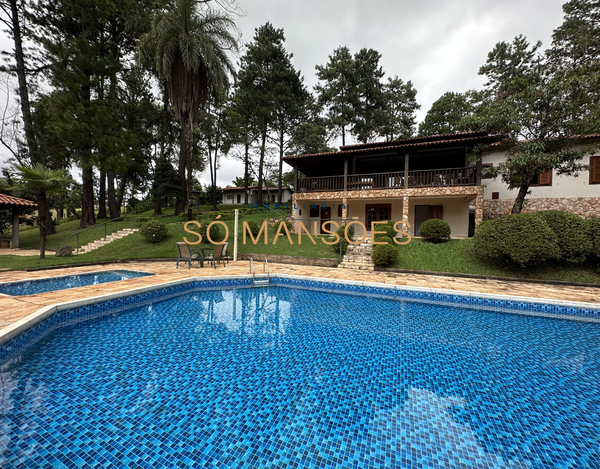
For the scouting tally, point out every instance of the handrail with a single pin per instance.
(105, 223)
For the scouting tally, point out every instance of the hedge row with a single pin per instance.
(529, 239)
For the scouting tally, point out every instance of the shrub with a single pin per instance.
(435, 230)
(387, 228)
(287, 223)
(593, 225)
(254, 227)
(154, 231)
(142, 220)
(518, 239)
(571, 232)
(384, 255)
(342, 244)
(215, 231)
(383, 238)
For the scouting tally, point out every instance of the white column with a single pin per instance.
(235, 234)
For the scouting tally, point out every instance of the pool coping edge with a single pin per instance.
(34, 318)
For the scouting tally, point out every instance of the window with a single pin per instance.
(495, 195)
(486, 165)
(544, 179)
(595, 170)
(229, 196)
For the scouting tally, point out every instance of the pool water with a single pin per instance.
(33, 287)
(293, 378)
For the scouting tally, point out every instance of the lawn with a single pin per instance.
(417, 255)
(135, 247)
(453, 257)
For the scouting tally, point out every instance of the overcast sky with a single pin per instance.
(438, 45)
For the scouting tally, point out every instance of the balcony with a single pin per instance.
(363, 182)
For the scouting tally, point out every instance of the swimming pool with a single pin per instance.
(295, 375)
(33, 287)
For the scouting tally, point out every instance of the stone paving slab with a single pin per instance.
(13, 308)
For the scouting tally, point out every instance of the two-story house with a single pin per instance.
(412, 180)
(416, 179)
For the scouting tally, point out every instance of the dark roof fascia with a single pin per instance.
(432, 138)
(394, 149)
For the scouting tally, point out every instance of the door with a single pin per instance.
(239, 198)
(377, 212)
(426, 212)
(325, 216)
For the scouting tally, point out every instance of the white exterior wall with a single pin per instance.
(562, 186)
(358, 207)
(252, 197)
(456, 213)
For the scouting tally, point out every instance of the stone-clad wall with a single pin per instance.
(585, 207)
(470, 192)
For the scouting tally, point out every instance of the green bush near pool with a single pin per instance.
(154, 231)
(435, 230)
(384, 255)
(518, 240)
(572, 234)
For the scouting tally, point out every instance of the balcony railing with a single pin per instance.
(360, 182)
(321, 184)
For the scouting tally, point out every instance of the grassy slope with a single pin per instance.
(447, 257)
(454, 257)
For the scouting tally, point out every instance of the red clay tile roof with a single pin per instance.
(430, 138)
(387, 146)
(9, 200)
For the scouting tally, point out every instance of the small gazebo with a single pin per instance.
(8, 201)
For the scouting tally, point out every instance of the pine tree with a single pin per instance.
(337, 91)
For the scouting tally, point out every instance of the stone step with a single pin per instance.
(103, 242)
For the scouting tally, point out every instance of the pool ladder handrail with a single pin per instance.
(261, 281)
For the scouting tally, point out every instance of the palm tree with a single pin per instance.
(45, 181)
(189, 48)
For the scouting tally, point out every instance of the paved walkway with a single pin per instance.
(13, 308)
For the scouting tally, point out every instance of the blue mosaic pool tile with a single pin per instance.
(33, 287)
(294, 377)
(363, 379)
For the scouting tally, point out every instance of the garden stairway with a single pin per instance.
(102, 242)
(358, 256)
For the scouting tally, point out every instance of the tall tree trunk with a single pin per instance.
(214, 178)
(88, 217)
(519, 201)
(165, 115)
(121, 192)
(189, 160)
(23, 90)
(260, 165)
(50, 230)
(180, 204)
(246, 170)
(102, 196)
(42, 210)
(157, 205)
(113, 208)
(280, 178)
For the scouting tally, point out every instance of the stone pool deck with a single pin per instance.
(13, 308)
